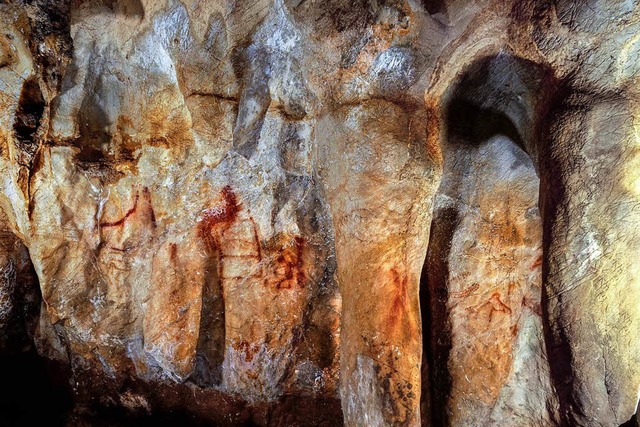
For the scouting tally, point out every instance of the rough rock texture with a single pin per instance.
(486, 324)
(317, 212)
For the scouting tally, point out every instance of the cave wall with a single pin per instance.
(316, 212)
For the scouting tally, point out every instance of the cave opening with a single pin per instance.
(481, 280)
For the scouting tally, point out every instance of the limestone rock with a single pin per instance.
(324, 212)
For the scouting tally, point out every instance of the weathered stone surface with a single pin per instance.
(592, 304)
(383, 212)
(379, 218)
(19, 294)
(486, 263)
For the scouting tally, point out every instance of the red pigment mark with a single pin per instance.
(400, 282)
(219, 217)
(122, 220)
(532, 304)
(496, 305)
(217, 229)
(173, 252)
(537, 263)
(255, 253)
(256, 239)
(289, 268)
(146, 194)
(514, 330)
(225, 213)
(465, 292)
(249, 350)
(148, 209)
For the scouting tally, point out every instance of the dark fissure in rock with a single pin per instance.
(28, 116)
(435, 317)
(210, 348)
(33, 387)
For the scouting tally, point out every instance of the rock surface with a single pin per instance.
(312, 212)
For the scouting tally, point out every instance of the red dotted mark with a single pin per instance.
(146, 195)
(465, 292)
(173, 252)
(290, 266)
(400, 282)
(216, 219)
(537, 263)
(248, 349)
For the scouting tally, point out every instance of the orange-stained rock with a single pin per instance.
(324, 212)
(381, 225)
(484, 275)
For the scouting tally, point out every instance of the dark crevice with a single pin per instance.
(36, 391)
(28, 117)
(50, 25)
(211, 339)
(20, 298)
(313, 340)
(633, 422)
(475, 125)
(426, 409)
(435, 6)
(552, 192)
(28, 380)
(436, 329)
(251, 66)
(497, 96)
(228, 411)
